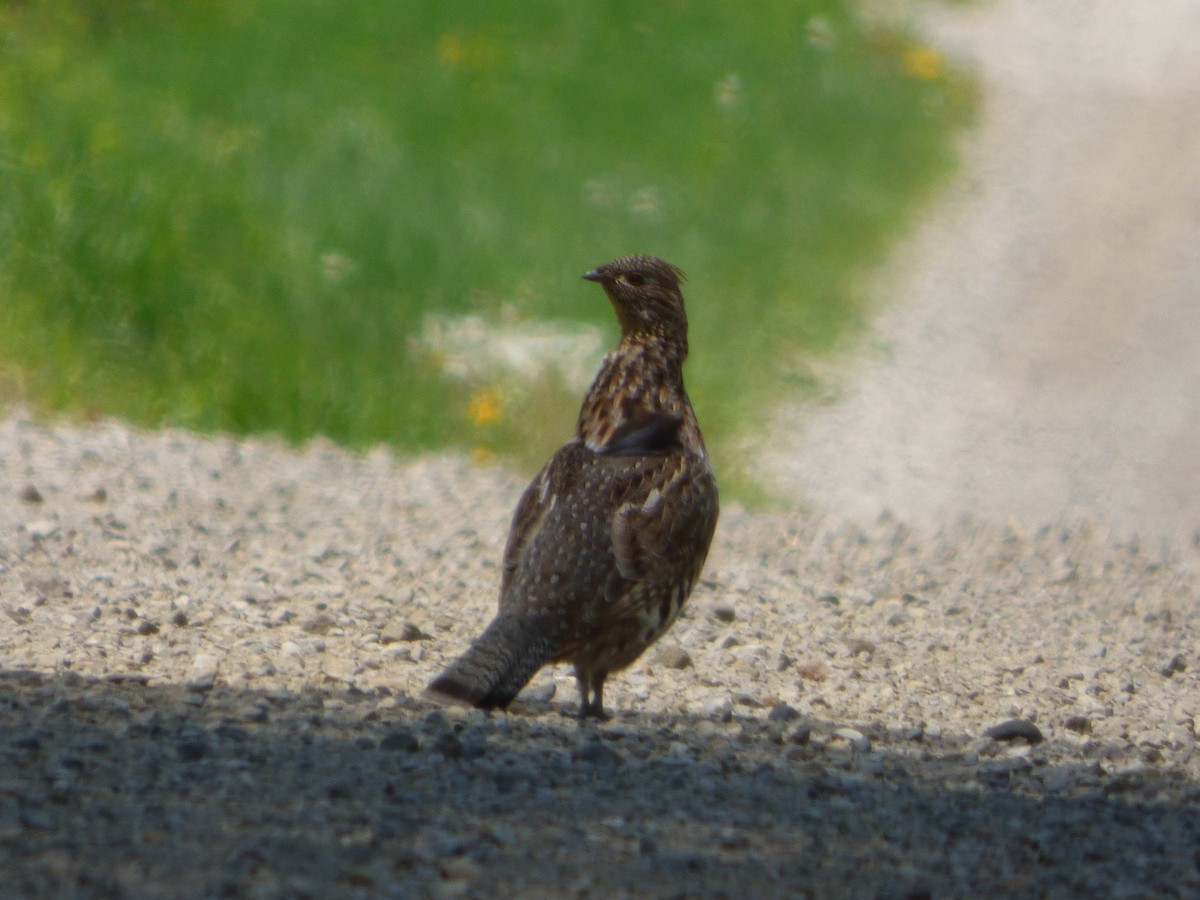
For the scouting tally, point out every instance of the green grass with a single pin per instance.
(235, 215)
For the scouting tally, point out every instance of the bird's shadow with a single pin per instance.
(123, 788)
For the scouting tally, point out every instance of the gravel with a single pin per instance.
(817, 723)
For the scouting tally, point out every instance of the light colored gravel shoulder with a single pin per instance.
(211, 654)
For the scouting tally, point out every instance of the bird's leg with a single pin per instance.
(595, 709)
(591, 694)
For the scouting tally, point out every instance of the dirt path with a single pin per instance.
(1035, 357)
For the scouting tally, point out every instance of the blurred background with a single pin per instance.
(368, 219)
(1036, 353)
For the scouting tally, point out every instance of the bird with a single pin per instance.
(609, 539)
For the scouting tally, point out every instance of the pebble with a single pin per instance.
(813, 670)
(597, 753)
(800, 733)
(400, 740)
(679, 749)
(30, 494)
(475, 744)
(860, 646)
(27, 741)
(447, 743)
(435, 720)
(783, 712)
(36, 819)
(462, 868)
(253, 712)
(538, 692)
(1063, 573)
(1078, 724)
(1057, 781)
(41, 529)
(192, 748)
(1012, 729)
(396, 631)
(319, 624)
(719, 708)
(203, 673)
(855, 738)
(227, 731)
(1177, 664)
(303, 648)
(674, 658)
(723, 612)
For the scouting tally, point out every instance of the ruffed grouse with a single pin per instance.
(609, 539)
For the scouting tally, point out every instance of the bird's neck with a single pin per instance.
(639, 380)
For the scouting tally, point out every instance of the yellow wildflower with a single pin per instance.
(485, 408)
(922, 63)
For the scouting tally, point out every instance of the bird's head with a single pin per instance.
(644, 292)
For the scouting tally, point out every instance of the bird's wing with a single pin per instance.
(558, 559)
(666, 521)
(537, 501)
(591, 526)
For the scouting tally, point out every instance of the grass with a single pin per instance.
(236, 216)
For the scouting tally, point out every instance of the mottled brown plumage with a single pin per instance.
(609, 539)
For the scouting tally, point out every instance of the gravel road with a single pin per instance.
(212, 651)
(1035, 353)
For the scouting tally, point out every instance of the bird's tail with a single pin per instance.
(497, 664)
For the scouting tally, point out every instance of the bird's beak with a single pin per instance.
(593, 275)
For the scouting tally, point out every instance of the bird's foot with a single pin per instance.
(587, 711)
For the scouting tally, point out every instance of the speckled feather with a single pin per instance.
(609, 539)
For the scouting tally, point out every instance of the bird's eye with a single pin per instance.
(635, 279)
